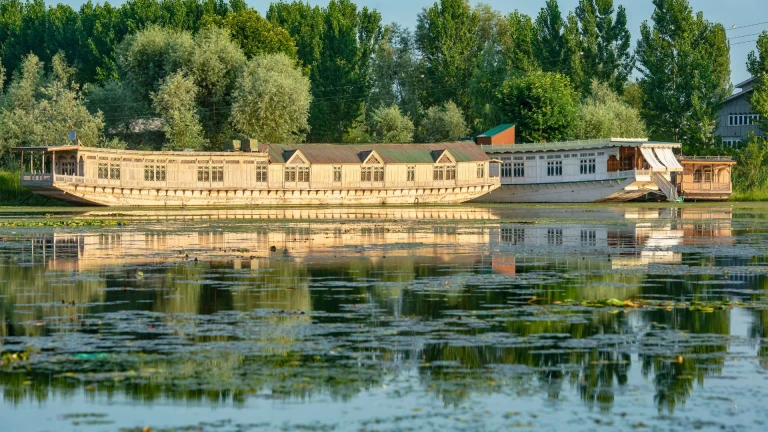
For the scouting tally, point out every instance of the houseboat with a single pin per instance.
(704, 178)
(611, 169)
(261, 174)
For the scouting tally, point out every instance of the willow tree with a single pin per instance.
(175, 103)
(271, 100)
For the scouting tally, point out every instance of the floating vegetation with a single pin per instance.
(637, 317)
(64, 223)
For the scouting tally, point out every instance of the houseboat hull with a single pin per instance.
(115, 196)
(613, 190)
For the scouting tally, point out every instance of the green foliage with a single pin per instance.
(685, 71)
(271, 100)
(757, 65)
(633, 95)
(443, 123)
(604, 115)
(391, 126)
(446, 39)
(543, 104)
(549, 43)
(749, 174)
(395, 72)
(359, 132)
(40, 110)
(256, 35)
(117, 104)
(606, 43)
(175, 103)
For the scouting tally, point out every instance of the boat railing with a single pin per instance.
(707, 186)
(61, 178)
(628, 173)
(36, 178)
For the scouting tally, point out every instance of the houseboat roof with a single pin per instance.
(187, 153)
(497, 130)
(716, 160)
(578, 145)
(466, 151)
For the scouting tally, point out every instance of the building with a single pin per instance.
(611, 169)
(262, 174)
(705, 178)
(500, 135)
(736, 118)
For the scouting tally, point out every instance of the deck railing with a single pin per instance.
(61, 178)
(707, 186)
(36, 178)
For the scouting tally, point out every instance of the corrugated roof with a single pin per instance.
(575, 145)
(497, 130)
(390, 153)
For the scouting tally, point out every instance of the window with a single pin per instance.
(480, 170)
(555, 237)
(366, 174)
(697, 176)
(114, 171)
(553, 156)
(378, 174)
(149, 173)
(103, 170)
(437, 173)
(506, 169)
(587, 166)
(530, 158)
(707, 175)
(290, 174)
(154, 172)
(160, 172)
(519, 170)
(589, 237)
(411, 174)
(513, 235)
(302, 174)
(261, 172)
(203, 174)
(337, 174)
(217, 174)
(554, 168)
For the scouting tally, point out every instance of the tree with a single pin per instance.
(443, 123)
(750, 174)
(685, 74)
(395, 72)
(633, 95)
(549, 43)
(175, 103)
(391, 126)
(42, 111)
(256, 35)
(604, 115)
(214, 68)
(117, 104)
(446, 39)
(543, 104)
(271, 100)
(606, 43)
(519, 48)
(147, 57)
(757, 65)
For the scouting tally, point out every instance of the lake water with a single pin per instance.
(391, 319)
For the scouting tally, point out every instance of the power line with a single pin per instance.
(735, 27)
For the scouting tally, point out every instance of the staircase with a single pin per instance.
(665, 187)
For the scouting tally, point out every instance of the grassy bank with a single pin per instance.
(12, 192)
(752, 195)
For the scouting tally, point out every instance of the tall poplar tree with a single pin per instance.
(447, 40)
(549, 43)
(685, 66)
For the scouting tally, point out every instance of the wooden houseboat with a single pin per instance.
(705, 178)
(265, 174)
(611, 169)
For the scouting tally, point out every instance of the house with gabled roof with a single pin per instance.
(735, 118)
(500, 135)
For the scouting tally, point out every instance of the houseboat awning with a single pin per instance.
(668, 158)
(651, 159)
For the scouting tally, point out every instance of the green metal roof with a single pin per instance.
(497, 130)
(577, 145)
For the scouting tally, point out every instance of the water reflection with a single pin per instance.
(222, 307)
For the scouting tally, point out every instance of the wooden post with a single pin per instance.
(22, 162)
